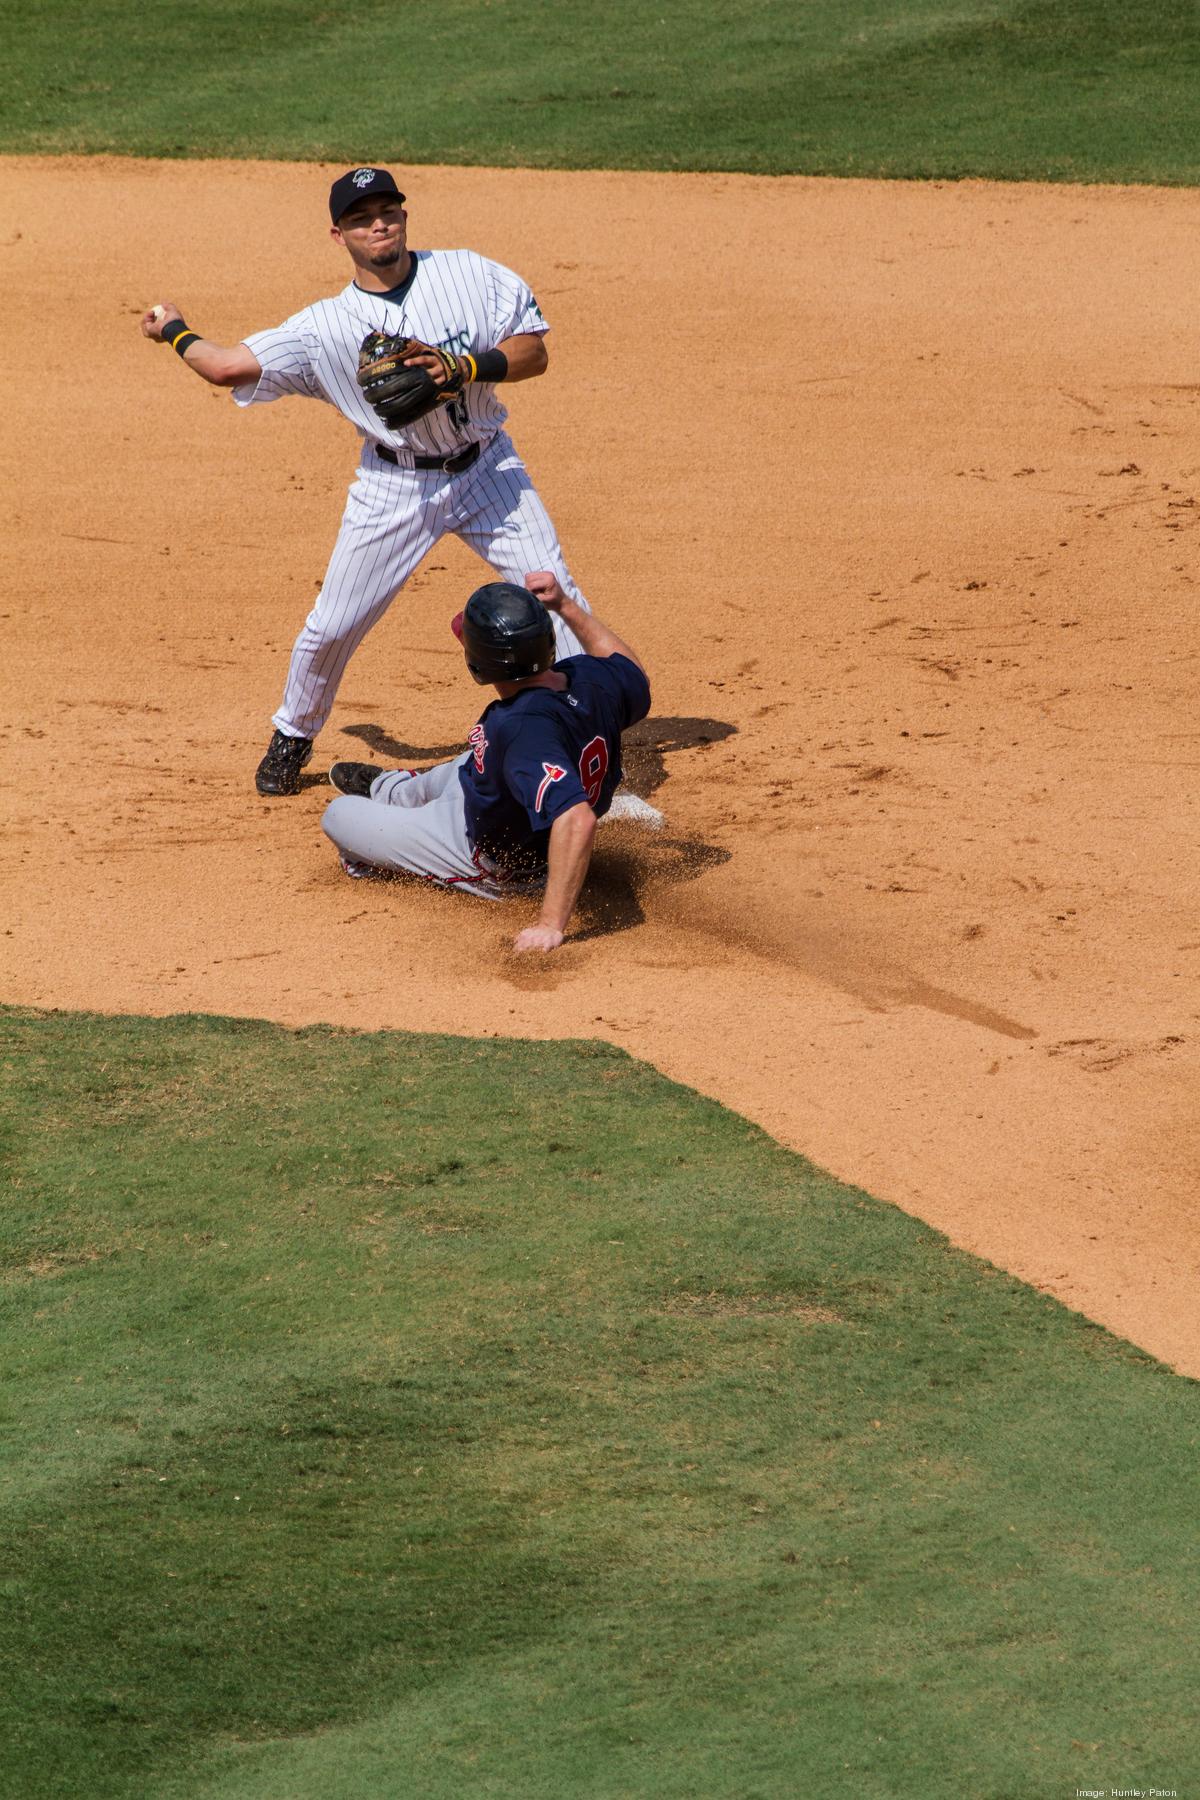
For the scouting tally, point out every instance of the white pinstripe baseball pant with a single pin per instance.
(393, 518)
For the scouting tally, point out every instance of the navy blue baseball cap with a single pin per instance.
(360, 184)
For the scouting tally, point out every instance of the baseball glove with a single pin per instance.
(400, 394)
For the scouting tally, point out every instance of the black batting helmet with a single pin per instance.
(506, 633)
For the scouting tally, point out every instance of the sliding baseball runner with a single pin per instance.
(518, 811)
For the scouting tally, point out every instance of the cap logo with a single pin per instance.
(363, 177)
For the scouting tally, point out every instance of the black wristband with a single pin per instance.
(179, 336)
(491, 365)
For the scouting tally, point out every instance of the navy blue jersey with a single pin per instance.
(540, 752)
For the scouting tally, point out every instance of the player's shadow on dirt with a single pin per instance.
(394, 752)
(384, 744)
(643, 748)
(629, 863)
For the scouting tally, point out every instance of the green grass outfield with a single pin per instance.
(1075, 90)
(390, 1416)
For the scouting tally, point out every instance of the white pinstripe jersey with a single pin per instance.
(452, 298)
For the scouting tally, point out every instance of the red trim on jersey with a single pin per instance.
(553, 774)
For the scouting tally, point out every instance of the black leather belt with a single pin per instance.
(451, 465)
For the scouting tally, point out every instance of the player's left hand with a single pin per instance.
(403, 379)
(544, 586)
(537, 937)
(428, 359)
(451, 372)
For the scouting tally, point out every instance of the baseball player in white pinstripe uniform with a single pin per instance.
(453, 470)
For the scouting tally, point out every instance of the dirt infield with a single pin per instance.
(897, 500)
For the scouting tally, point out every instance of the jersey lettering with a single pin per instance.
(478, 745)
(454, 298)
(457, 411)
(593, 767)
(553, 774)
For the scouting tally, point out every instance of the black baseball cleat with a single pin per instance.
(354, 778)
(279, 770)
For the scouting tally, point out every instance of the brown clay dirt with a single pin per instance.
(895, 488)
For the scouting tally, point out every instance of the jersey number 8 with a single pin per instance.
(593, 767)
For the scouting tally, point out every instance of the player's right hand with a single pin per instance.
(544, 587)
(537, 937)
(158, 316)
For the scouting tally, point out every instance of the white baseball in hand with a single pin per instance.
(157, 313)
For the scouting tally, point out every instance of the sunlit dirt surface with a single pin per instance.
(893, 486)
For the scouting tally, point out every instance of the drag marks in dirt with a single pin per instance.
(632, 875)
(1097, 1055)
(910, 990)
(840, 955)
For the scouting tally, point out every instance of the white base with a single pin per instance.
(635, 811)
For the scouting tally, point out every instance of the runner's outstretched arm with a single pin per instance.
(571, 837)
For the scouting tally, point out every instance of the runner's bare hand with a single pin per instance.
(545, 587)
(537, 937)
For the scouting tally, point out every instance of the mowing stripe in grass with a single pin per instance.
(1079, 90)
(373, 1428)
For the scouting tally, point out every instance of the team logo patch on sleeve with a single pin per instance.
(478, 746)
(553, 774)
